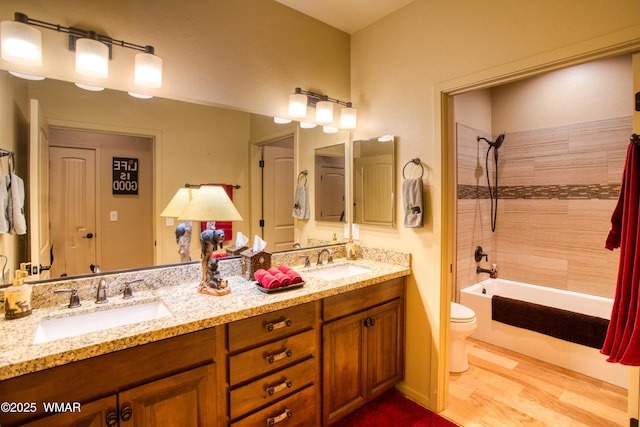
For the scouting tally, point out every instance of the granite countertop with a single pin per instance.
(191, 311)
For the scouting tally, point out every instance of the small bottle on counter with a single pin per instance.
(352, 250)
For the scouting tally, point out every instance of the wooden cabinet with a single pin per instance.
(166, 383)
(363, 347)
(273, 368)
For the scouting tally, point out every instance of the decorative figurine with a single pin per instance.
(183, 239)
(212, 282)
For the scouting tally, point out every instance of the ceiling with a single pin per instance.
(349, 16)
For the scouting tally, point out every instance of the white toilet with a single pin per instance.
(463, 323)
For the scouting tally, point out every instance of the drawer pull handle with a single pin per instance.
(275, 357)
(283, 416)
(126, 413)
(273, 326)
(279, 387)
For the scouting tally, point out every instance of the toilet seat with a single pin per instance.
(461, 313)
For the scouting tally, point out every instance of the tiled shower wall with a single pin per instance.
(557, 189)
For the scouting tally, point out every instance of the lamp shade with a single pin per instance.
(324, 112)
(348, 118)
(148, 70)
(21, 44)
(179, 201)
(298, 105)
(92, 58)
(210, 204)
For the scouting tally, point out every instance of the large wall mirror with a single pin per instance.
(330, 183)
(373, 181)
(190, 143)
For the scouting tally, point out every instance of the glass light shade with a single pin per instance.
(92, 58)
(281, 120)
(324, 112)
(329, 129)
(140, 95)
(148, 70)
(307, 125)
(210, 204)
(348, 118)
(92, 88)
(298, 105)
(21, 43)
(178, 202)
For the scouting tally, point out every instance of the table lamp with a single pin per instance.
(210, 204)
(175, 207)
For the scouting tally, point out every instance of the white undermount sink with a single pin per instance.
(66, 327)
(337, 272)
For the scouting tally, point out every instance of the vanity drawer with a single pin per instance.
(362, 299)
(300, 409)
(271, 326)
(272, 387)
(270, 357)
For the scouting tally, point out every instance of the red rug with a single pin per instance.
(393, 409)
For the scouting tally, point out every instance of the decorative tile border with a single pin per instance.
(560, 192)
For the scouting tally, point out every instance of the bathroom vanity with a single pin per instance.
(308, 356)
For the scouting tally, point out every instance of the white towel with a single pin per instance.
(301, 203)
(4, 204)
(412, 201)
(17, 220)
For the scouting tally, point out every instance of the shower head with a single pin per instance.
(495, 144)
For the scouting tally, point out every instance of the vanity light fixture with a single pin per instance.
(22, 45)
(301, 99)
(307, 125)
(281, 120)
(329, 129)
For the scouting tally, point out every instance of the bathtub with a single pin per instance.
(579, 358)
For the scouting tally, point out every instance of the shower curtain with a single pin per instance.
(622, 343)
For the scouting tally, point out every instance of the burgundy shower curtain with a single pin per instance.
(622, 343)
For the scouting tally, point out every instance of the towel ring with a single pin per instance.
(415, 161)
(303, 173)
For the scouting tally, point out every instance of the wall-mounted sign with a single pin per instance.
(125, 176)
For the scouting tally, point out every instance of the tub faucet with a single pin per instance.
(329, 256)
(101, 296)
(493, 272)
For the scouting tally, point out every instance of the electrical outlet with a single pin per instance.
(169, 221)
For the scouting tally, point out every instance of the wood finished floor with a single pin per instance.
(503, 388)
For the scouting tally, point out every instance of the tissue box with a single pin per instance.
(253, 261)
(234, 250)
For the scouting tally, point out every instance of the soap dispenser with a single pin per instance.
(17, 298)
(352, 250)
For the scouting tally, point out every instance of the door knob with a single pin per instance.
(88, 236)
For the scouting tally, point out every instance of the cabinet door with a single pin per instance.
(384, 348)
(99, 413)
(344, 389)
(181, 400)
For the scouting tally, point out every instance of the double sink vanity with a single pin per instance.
(172, 356)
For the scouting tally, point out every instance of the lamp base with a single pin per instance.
(208, 290)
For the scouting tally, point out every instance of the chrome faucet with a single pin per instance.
(127, 292)
(101, 296)
(329, 256)
(74, 299)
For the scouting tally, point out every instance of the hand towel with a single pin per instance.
(301, 203)
(282, 278)
(266, 279)
(19, 222)
(4, 204)
(412, 202)
(295, 277)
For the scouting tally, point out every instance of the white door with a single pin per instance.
(278, 190)
(39, 232)
(330, 191)
(73, 210)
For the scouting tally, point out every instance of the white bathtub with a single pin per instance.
(585, 360)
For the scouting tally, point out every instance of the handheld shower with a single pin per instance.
(493, 191)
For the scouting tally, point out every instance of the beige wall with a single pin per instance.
(14, 134)
(400, 65)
